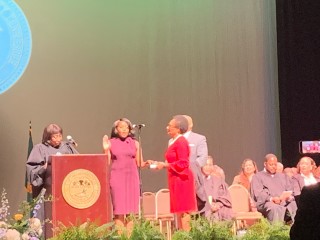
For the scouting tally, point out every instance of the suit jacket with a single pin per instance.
(307, 223)
(198, 149)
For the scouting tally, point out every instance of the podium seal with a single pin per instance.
(81, 188)
(15, 44)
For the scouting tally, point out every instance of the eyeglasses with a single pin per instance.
(171, 126)
(56, 136)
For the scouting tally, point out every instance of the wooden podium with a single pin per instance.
(79, 187)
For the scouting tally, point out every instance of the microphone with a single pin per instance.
(138, 125)
(72, 141)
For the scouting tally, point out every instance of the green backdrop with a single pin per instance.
(96, 61)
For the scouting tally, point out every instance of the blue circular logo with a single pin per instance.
(15, 44)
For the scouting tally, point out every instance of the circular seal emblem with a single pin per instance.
(81, 188)
(15, 44)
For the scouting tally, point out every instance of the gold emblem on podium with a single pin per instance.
(81, 188)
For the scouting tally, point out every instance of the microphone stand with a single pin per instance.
(140, 175)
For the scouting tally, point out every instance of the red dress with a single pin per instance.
(180, 177)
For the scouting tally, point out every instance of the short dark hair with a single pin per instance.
(269, 156)
(50, 130)
(114, 131)
(181, 123)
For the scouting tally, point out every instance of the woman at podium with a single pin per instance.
(123, 151)
(51, 144)
(37, 163)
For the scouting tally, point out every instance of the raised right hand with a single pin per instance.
(105, 143)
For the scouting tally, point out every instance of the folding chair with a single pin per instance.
(240, 198)
(163, 214)
(149, 206)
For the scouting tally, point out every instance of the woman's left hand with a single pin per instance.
(146, 163)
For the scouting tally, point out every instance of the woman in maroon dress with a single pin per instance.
(248, 169)
(180, 177)
(123, 151)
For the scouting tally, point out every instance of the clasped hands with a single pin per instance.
(215, 207)
(284, 197)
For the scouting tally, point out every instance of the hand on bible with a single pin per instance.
(158, 165)
(152, 164)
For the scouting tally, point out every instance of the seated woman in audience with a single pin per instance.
(304, 177)
(248, 169)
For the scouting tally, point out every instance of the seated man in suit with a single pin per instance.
(307, 224)
(213, 197)
(272, 192)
